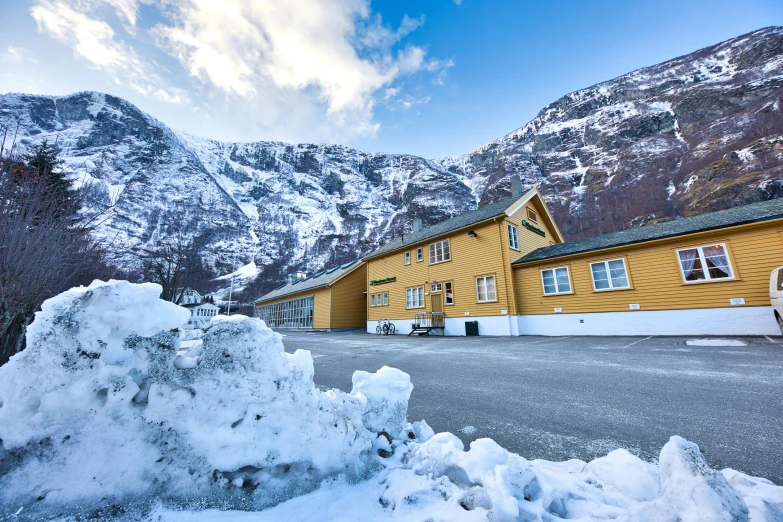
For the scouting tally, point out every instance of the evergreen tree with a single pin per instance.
(44, 165)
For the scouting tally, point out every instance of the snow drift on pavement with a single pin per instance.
(101, 416)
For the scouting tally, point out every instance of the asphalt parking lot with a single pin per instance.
(580, 397)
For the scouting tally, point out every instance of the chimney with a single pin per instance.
(417, 225)
(516, 185)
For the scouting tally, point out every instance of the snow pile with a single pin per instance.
(386, 394)
(438, 480)
(104, 408)
(715, 342)
(110, 412)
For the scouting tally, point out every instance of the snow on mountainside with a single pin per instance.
(698, 133)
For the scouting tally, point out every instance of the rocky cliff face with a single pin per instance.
(695, 134)
(699, 133)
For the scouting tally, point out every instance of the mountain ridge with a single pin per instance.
(696, 133)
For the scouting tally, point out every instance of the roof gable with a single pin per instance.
(536, 199)
(492, 210)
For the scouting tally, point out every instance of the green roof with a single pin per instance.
(766, 210)
(444, 227)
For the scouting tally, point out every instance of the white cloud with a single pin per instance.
(457, 2)
(16, 55)
(410, 101)
(94, 40)
(242, 46)
(128, 10)
(289, 66)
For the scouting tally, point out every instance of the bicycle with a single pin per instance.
(385, 327)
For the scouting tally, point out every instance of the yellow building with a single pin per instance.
(458, 271)
(504, 269)
(331, 299)
(702, 275)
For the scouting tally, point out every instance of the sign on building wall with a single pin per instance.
(376, 282)
(533, 228)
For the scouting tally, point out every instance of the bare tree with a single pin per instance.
(175, 264)
(45, 248)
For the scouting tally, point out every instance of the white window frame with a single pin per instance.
(609, 275)
(557, 287)
(436, 287)
(528, 213)
(485, 278)
(407, 258)
(448, 288)
(434, 249)
(379, 299)
(707, 278)
(419, 297)
(513, 236)
(419, 255)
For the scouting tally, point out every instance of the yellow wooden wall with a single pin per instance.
(470, 257)
(349, 302)
(656, 281)
(528, 241)
(321, 304)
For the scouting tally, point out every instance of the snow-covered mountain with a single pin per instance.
(698, 133)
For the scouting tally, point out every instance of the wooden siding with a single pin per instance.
(656, 281)
(528, 241)
(470, 257)
(321, 304)
(349, 302)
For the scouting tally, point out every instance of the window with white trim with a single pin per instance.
(610, 275)
(513, 237)
(532, 215)
(556, 280)
(440, 252)
(414, 297)
(448, 293)
(407, 258)
(379, 299)
(705, 263)
(419, 254)
(485, 289)
(436, 287)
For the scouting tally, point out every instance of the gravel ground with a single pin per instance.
(580, 397)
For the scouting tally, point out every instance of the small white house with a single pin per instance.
(200, 314)
(189, 296)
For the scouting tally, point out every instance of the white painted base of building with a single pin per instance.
(499, 325)
(739, 320)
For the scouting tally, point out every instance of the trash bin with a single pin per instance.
(471, 328)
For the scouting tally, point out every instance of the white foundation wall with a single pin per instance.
(740, 320)
(455, 326)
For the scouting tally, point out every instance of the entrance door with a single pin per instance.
(437, 310)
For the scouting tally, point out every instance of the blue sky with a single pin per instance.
(429, 78)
